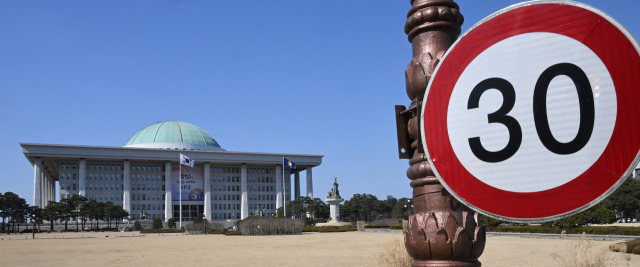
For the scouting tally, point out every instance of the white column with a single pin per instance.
(82, 173)
(309, 183)
(48, 188)
(52, 196)
(279, 186)
(37, 182)
(288, 182)
(126, 178)
(53, 189)
(45, 189)
(244, 204)
(207, 191)
(297, 189)
(168, 206)
(49, 182)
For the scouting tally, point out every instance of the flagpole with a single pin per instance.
(284, 199)
(180, 179)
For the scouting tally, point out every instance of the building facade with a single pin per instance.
(145, 174)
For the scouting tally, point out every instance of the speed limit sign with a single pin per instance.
(534, 113)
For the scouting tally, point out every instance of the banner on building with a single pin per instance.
(192, 183)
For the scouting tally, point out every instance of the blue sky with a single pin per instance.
(311, 77)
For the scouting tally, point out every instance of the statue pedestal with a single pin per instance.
(334, 208)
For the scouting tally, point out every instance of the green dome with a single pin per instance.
(172, 132)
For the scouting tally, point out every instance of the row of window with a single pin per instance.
(147, 168)
(149, 187)
(68, 166)
(237, 206)
(113, 187)
(261, 197)
(225, 197)
(116, 177)
(67, 176)
(237, 197)
(107, 167)
(148, 206)
(147, 178)
(261, 171)
(68, 187)
(230, 179)
(258, 188)
(225, 188)
(261, 179)
(104, 197)
(163, 188)
(103, 167)
(237, 170)
(103, 187)
(97, 167)
(111, 167)
(261, 206)
(113, 177)
(159, 197)
(147, 197)
(235, 179)
(226, 206)
(224, 170)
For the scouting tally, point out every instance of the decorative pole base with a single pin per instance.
(436, 263)
(442, 232)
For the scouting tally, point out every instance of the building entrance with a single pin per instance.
(189, 212)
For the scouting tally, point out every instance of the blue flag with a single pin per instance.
(289, 164)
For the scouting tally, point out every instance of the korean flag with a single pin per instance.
(184, 160)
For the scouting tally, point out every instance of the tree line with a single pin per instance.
(624, 203)
(302, 206)
(361, 207)
(367, 207)
(15, 210)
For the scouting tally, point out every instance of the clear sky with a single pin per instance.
(310, 77)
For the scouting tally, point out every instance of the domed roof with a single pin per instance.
(174, 134)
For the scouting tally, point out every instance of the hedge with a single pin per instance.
(329, 229)
(162, 231)
(270, 226)
(592, 230)
(233, 233)
(376, 226)
(397, 226)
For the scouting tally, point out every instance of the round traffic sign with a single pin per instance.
(532, 114)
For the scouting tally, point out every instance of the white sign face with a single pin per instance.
(532, 166)
(532, 115)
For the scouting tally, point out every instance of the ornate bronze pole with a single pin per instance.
(442, 232)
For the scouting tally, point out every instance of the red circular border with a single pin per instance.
(619, 56)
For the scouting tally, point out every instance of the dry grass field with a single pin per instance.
(308, 249)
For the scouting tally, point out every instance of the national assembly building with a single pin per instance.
(145, 172)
